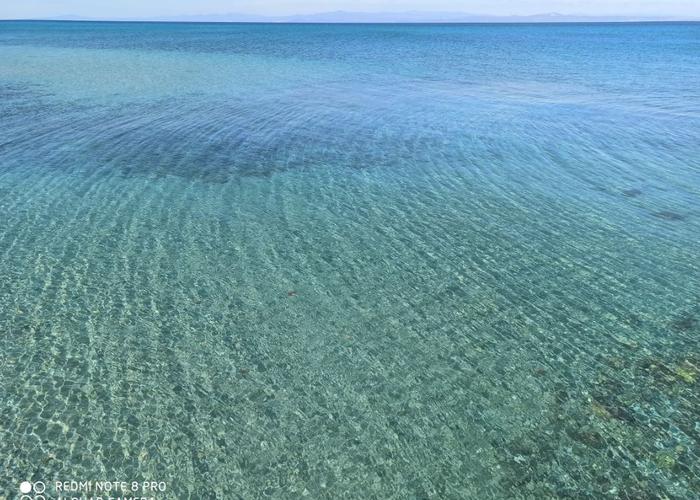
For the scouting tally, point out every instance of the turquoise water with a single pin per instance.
(286, 261)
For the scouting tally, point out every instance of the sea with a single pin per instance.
(322, 261)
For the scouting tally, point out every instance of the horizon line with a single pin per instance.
(176, 21)
(360, 17)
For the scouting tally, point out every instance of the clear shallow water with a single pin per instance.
(351, 261)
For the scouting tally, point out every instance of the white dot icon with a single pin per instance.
(25, 487)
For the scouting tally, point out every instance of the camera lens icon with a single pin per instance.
(26, 487)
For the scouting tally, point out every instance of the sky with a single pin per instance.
(14, 9)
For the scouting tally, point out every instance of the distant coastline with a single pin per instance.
(342, 17)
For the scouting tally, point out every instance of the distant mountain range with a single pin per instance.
(386, 17)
